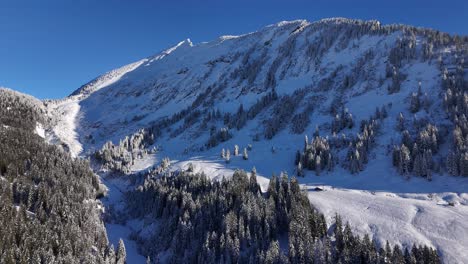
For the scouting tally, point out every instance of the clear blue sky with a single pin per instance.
(49, 48)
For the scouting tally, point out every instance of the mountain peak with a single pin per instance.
(184, 43)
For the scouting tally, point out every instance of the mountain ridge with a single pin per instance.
(326, 21)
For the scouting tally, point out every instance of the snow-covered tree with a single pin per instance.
(121, 257)
(228, 156)
(236, 150)
(299, 170)
(401, 122)
(415, 103)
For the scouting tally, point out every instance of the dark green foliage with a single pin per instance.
(360, 147)
(282, 113)
(301, 120)
(196, 220)
(456, 106)
(414, 156)
(215, 221)
(219, 136)
(342, 121)
(48, 209)
(19, 110)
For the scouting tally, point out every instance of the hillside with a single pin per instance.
(383, 108)
(48, 199)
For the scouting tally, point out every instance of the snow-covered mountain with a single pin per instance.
(265, 90)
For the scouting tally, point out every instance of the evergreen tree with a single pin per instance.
(228, 156)
(401, 122)
(299, 170)
(121, 257)
(415, 103)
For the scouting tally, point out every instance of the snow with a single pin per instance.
(215, 169)
(68, 113)
(286, 23)
(399, 219)
(115, 231)
(105, 80)
(40, 130)
(378, 200)
(228, 37)
(144, 163)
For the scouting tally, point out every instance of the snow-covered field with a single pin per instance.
(406, 219)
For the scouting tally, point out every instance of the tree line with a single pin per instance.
(197, 220)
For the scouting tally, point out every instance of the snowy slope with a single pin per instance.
(423, 219)
(66, 113)
(168, 82)
(329, 60)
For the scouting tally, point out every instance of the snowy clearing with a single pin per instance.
(67, 113)
(406, 221)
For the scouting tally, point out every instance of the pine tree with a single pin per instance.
(318, 165)
(338, 232)
(409, 258)
(273, 253)
(190, 167)
(377, 114)
(396, 82)
(405, 161)
(415, 103)
(452, 164)
(236, 150)
(245, 155)
(253, 185)
(299, 170)
(417, 164)
(426, 102)
(121, 257)
(463, 163)
(383, 112)
(110, 254)
(316, 132)
(397, 257)
(401, 122)
(228, 156)
(426, 164)
(297, 159)
(388, 252)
